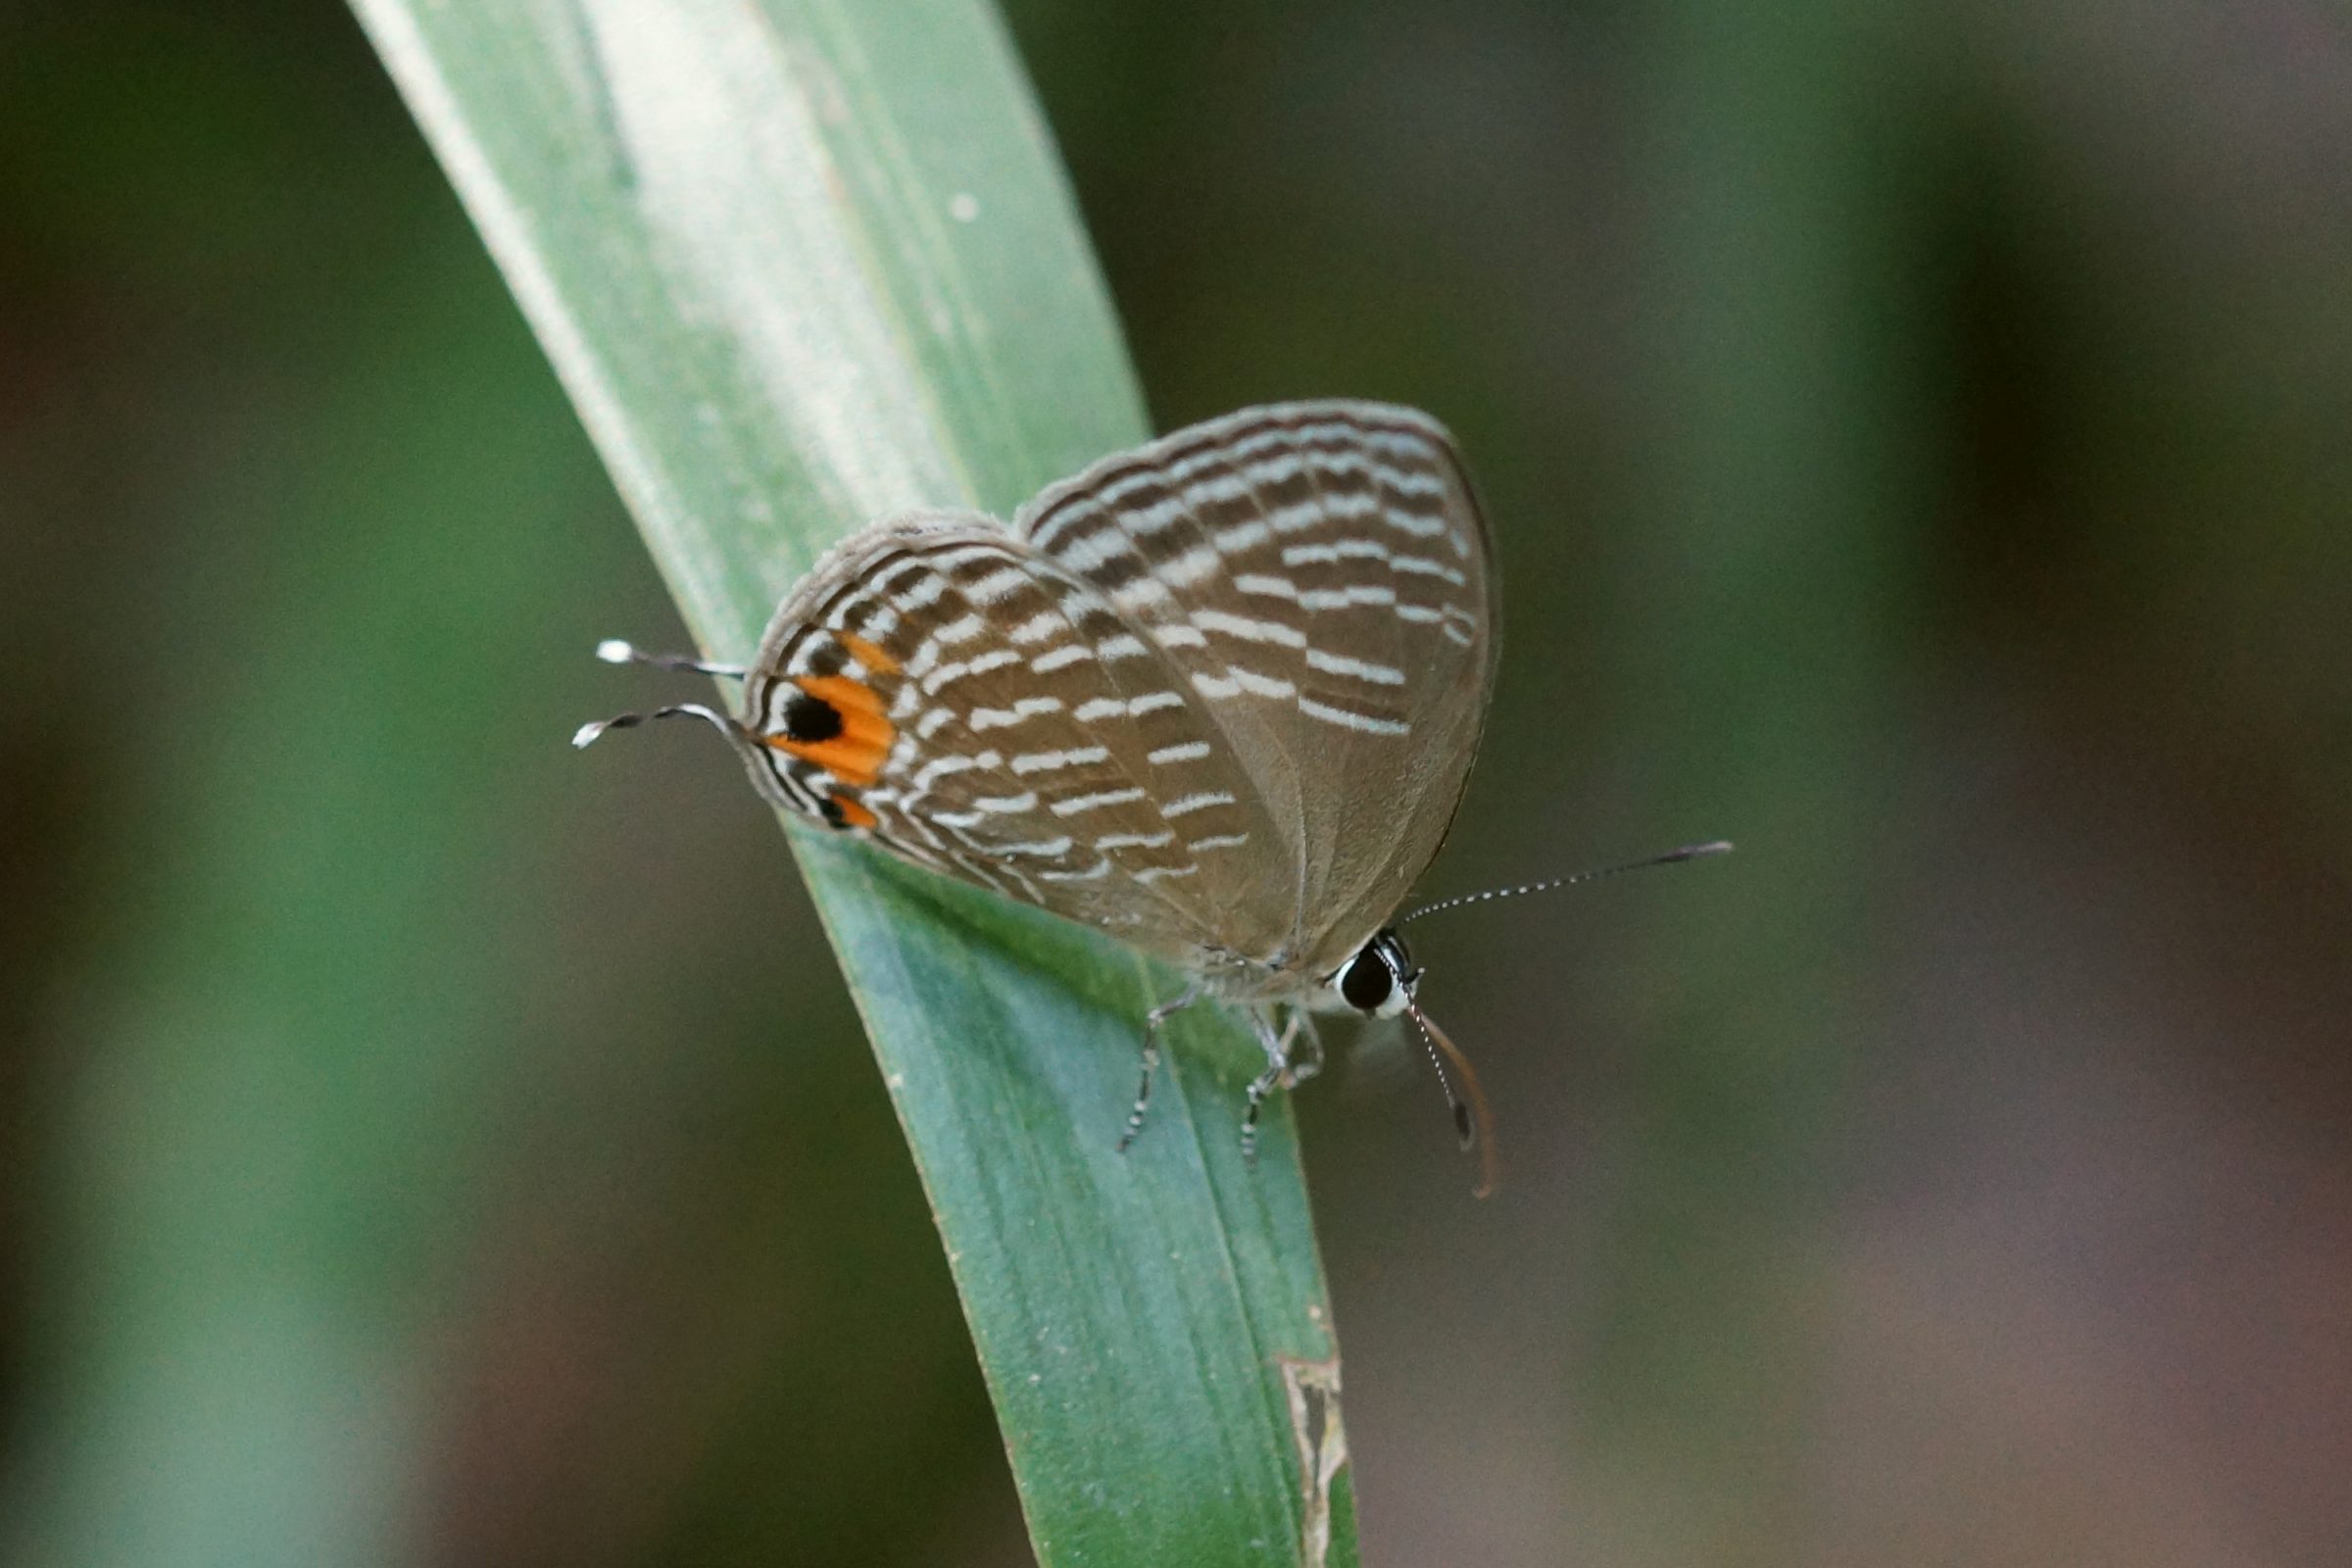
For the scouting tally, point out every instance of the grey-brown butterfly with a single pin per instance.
(1217, 696)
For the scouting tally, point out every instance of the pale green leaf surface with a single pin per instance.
(801, 265)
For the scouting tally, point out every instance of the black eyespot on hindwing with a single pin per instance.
(811, 719)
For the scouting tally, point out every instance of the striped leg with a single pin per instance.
(1276, 1076)
(1143, 1091)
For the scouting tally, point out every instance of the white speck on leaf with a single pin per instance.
(963, 207)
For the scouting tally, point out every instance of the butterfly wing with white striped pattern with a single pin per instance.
(1217, 696)
(936, 686)
(1318, 572)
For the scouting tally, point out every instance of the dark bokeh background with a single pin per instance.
(1917, 443)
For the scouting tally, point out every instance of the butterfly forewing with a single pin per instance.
(1318, 573)
(938, 686)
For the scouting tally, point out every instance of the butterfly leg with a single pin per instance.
(1277, 1075)
(1306, 1062)
(1143, 1091)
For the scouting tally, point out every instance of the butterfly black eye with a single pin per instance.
(1366, 981)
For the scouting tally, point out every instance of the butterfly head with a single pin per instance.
(1380, 980)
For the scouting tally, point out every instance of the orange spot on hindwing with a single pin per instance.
(871, 654)
(837, 723)
(844, 692)
(846, 811)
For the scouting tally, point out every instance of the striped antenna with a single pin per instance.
(614, 651)
(1689, 852)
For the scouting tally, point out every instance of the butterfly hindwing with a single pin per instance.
(937, 686)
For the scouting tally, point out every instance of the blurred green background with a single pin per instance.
(1919, 441)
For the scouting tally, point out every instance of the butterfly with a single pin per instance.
(1217, 696)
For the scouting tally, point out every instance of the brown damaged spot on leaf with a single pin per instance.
(1313, 1388)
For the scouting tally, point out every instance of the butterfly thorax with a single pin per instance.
(1274, 977)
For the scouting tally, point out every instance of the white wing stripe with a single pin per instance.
(1252, 632)
(1135, 841)
(1256, 685)
(979, 665)
(1362, 670)
(941, 768)
(998, 585)
(1005, 805)
(1242, 537)
(1038, 627)
(1195, 564)
(1237, 680)
(1341, 598)
(929, 591)
(1096, 549)
(1026, 708)
(1255, 583)
(1141, 591)
(1053, 761)
(1313, 598)
(1347, 719)
(1089, 803)
(1423, 566)
(1187, 804)
(1041, 847)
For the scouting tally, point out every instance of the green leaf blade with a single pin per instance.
(800, 266)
